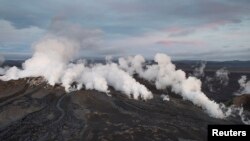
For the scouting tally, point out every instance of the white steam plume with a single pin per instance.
(52, 57)
(222, 76)
(164, 75)
(165, 97)
(49, 60)
(207, 82)
(100, 76)
(53, 53)
(122, 81)
(244, 85)
(199, 71)
(132, 64)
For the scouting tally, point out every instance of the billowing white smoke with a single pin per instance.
(122, 81)
(222, 76)
(54, 51)
(49, 60)
(165, 97)
(220, 79)
(52, 57)
(236, 111)
(164, 75)
(199, 71)
(132, 64)
(244, 85)
(100, 76)
(243, 117)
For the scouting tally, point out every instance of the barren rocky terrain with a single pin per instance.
(32, 110)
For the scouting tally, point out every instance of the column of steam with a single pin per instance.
(164, 75)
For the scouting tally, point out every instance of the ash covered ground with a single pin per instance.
(30, 109)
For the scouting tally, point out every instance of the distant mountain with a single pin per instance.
(17, 63)
(182, 64)
(230, 65)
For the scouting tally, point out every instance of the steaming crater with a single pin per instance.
(36, 110)
(119, 76)
(58, 99)
(51, 61)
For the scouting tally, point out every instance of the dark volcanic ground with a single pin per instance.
(41, 112)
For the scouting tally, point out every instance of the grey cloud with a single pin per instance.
(132, 18)
(139, 13)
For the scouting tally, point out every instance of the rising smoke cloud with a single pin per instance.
(222, 76)
(218, 81)
(199, 71)
(52, 57)
(164, 75)
(244, 85)
(52, 60)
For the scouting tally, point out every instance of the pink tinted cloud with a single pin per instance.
(178, 42)
(179, 31)
(176, 31)
(214, 25)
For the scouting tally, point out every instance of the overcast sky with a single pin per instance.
(183, 29)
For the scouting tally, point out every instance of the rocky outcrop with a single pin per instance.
(242, 100)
